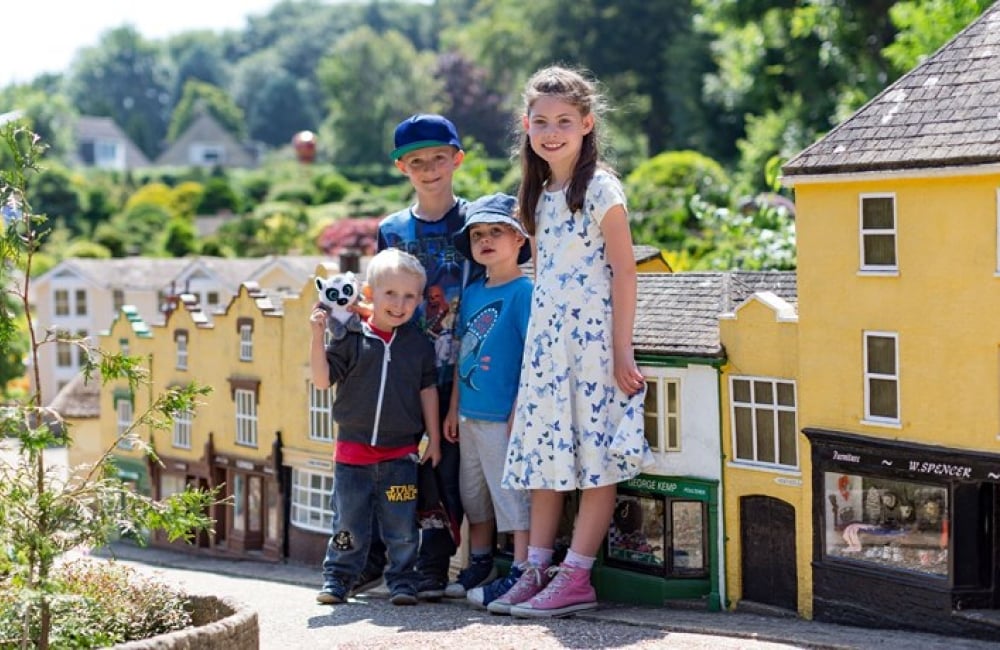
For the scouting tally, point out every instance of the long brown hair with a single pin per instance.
(576, 89)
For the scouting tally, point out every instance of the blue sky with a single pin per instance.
(43, 35)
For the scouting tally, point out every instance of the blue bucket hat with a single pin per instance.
(492, 208)
(422, 131)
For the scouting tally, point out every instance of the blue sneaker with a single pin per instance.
(483, 596)
(480, 571)
(332, 593)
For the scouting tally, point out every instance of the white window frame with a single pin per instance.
(60, 302)
(183, 424)
(246, 342)
(869, 376)
(80, 302)
(182, 351)
(865, 232)
(124, 415)
(320, 414)
(658, 381)
(246, 417)
(775, 409)
(310, 500)
(64, 354)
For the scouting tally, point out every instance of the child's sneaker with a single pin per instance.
(530, 583)
(368, 579)
(569, 592)
(332, 593)
(403, 595)
(479, 572)
(483, 596)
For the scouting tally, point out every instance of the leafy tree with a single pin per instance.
(126, 78)
(926, 25)
(660, 191)
(202, 97)
(217, 196)
(181, 238)
(276, 103)
(198, 56)
(41, 515)
(54, 193)
(479, 111)
(825, 58)
(372, 82)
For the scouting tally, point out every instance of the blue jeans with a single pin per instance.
(436, 547)
(369, 500)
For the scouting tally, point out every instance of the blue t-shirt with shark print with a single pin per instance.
(493, 322)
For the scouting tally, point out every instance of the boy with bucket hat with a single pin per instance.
(492, 324)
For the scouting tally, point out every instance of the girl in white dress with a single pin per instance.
(579, 421)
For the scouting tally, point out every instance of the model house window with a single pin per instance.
(212, 298)
(60, 298)
(882, 377)
(181, 341)
(64, 354)
(878, 232)
(320, 419)
(81, 302)
(123, 346)
(662, 413)
(171, 484)
(763, 421)
(311, 492)
(82, 351)
(658, 535)
(890, 523)
(246, 341)
(117, 300)
(182, 429)
(246, 417)
(206, 155)
(124, 412)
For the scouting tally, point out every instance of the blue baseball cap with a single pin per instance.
(422, 131)
(492, 208)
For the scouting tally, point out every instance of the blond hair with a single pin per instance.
(394, 260)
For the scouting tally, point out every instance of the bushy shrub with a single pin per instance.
(99, 604)
(330, 187)
(218, 197)
(292, 192)
(660, 190)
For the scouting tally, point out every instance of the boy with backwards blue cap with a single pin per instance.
(428, 150)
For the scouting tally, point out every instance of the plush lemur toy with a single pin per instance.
(336, 294)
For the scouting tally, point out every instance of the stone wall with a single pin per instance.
(219, 624)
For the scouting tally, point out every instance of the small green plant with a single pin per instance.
(43, 512)
(100, 604)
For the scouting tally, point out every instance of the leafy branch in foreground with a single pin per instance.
(45, 511)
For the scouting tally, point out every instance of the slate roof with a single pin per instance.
(677, 314)
(943, 113)
(90, 128)
(136, 273)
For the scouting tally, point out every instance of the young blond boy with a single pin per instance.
(381, 410)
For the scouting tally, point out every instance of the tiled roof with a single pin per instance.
(134, 273)
(677, 314)
(943, 113)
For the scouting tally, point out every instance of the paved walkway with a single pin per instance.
(284, 597)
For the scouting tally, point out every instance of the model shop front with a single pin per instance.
(906, 535)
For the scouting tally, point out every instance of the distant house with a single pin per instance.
(101, 143)
(206, 143)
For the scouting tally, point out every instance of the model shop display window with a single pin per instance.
(891, 523)
(658, 535)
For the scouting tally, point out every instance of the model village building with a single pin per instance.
(827, 442)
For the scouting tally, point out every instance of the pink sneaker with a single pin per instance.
(530, 583)
(569, 592)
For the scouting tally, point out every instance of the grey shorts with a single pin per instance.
(483, 449)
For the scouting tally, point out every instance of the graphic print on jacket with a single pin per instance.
(478, 328)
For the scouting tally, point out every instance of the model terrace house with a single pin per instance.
(898, 224)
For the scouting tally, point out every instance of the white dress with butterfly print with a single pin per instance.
(574, 427)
